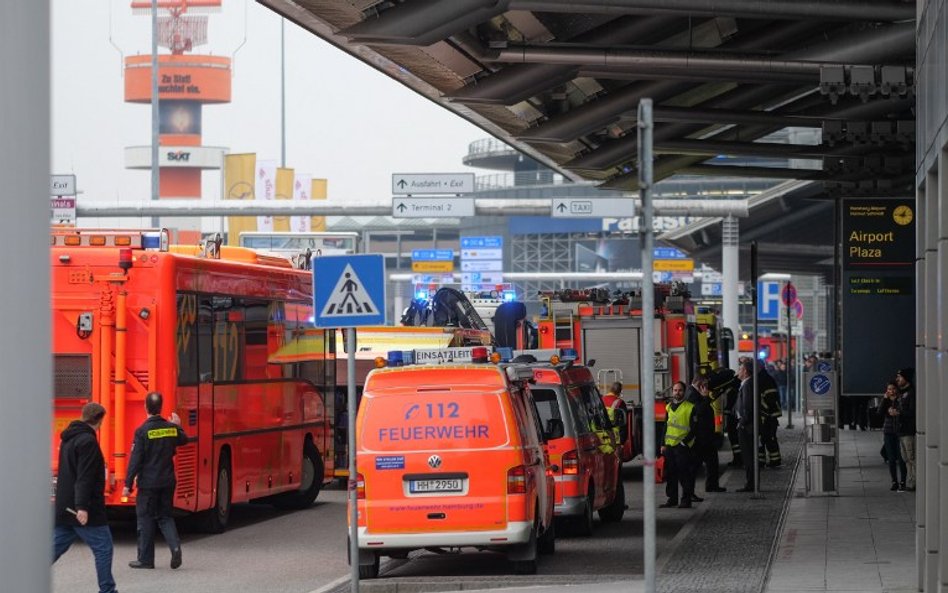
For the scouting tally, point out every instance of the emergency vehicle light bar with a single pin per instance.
(150, 239)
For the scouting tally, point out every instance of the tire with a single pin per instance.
(370, 571)
(583, 525)
(216, 518)
(546, 544)
(528, 566)
(311, 481)
(616, 509)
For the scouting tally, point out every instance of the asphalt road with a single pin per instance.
(266, 550)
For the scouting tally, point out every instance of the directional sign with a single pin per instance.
(62, 185)
(492, 278)
(788, 294)
(673, 265)
(416, 184)
(710, 288)
(593, 208)
(668, 253)
(432, 255)
(432, 266)
(432, 207)
(482, 254)
(62, 210)
(491, 242)
(482, 266)
(349, 290)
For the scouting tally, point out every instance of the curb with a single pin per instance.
(781, 523)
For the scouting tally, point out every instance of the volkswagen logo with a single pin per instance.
(434, 462)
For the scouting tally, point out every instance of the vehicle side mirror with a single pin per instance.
(621, 421)
(727, 339)
(554, 429)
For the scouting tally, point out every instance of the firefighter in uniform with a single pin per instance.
(679, 438)
(613, 401)
(724, 383)
(704, 452)
(152, 464)
(770, 413)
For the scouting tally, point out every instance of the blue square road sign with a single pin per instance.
(349, 290)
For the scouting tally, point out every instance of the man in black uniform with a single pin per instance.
(770, 413)
(704, 451)
(152, 463)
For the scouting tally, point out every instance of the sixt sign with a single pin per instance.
(178, 156)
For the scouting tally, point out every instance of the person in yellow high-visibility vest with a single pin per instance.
(679, 438)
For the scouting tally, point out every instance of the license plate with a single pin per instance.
(449, 485)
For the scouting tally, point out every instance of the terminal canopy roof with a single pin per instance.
(560, 80)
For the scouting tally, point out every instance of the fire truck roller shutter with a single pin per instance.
(616, 345)
(506, 318)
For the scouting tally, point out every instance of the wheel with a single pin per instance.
(524, 559)
(217, 517)
(583, 525)
(370, 571)
(311, 481)
(616, 509)
(547, 542)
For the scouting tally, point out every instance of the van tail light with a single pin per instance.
(360, 487)
(517, 480)
(570, 463)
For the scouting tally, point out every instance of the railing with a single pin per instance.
(488, 145)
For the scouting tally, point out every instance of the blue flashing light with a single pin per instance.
(151, 241)
(395, 358)
(568, 354)
(509, 296)
(421, 295)
(762, 355)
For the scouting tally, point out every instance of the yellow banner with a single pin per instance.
(432, 266)
(319, 191)
(674, 265)
(284, 191)
(238, 185)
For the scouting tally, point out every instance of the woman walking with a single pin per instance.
(888, 409)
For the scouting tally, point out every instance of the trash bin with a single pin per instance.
(822, 475)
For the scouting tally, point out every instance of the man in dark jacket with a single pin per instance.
(770, 413)
(152, 463)
(724, 383)
(80, 494)
(905, 423)
(744, 411)
(704, 450)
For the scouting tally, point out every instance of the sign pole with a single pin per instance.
(353, 481)
(647, 390)
(787, 367)
(756, 448)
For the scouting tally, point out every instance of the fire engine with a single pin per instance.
(605, 329)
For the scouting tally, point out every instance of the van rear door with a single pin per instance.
(435, 458)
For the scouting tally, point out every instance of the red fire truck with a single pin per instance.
(606, 332)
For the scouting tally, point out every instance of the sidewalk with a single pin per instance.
(863, 540)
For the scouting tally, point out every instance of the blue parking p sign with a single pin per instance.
(349, 290)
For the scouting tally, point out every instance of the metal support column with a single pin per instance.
(731, 273)
(26, 521)
(647, 389)
(154, 107)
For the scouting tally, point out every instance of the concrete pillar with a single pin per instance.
(730, 270)
(937, 344)
(921, 514)
(24, 258)
(926, 384)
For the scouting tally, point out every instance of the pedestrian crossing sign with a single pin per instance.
(349, 290)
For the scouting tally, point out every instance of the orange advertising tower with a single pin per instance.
(186, 81)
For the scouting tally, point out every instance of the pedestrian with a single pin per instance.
(80, 494)
(781, 379)
(704, 450)
(152, 465)
(679, 438)
(889, 412)
(770, 414)
(744, 410)
(905, 423)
